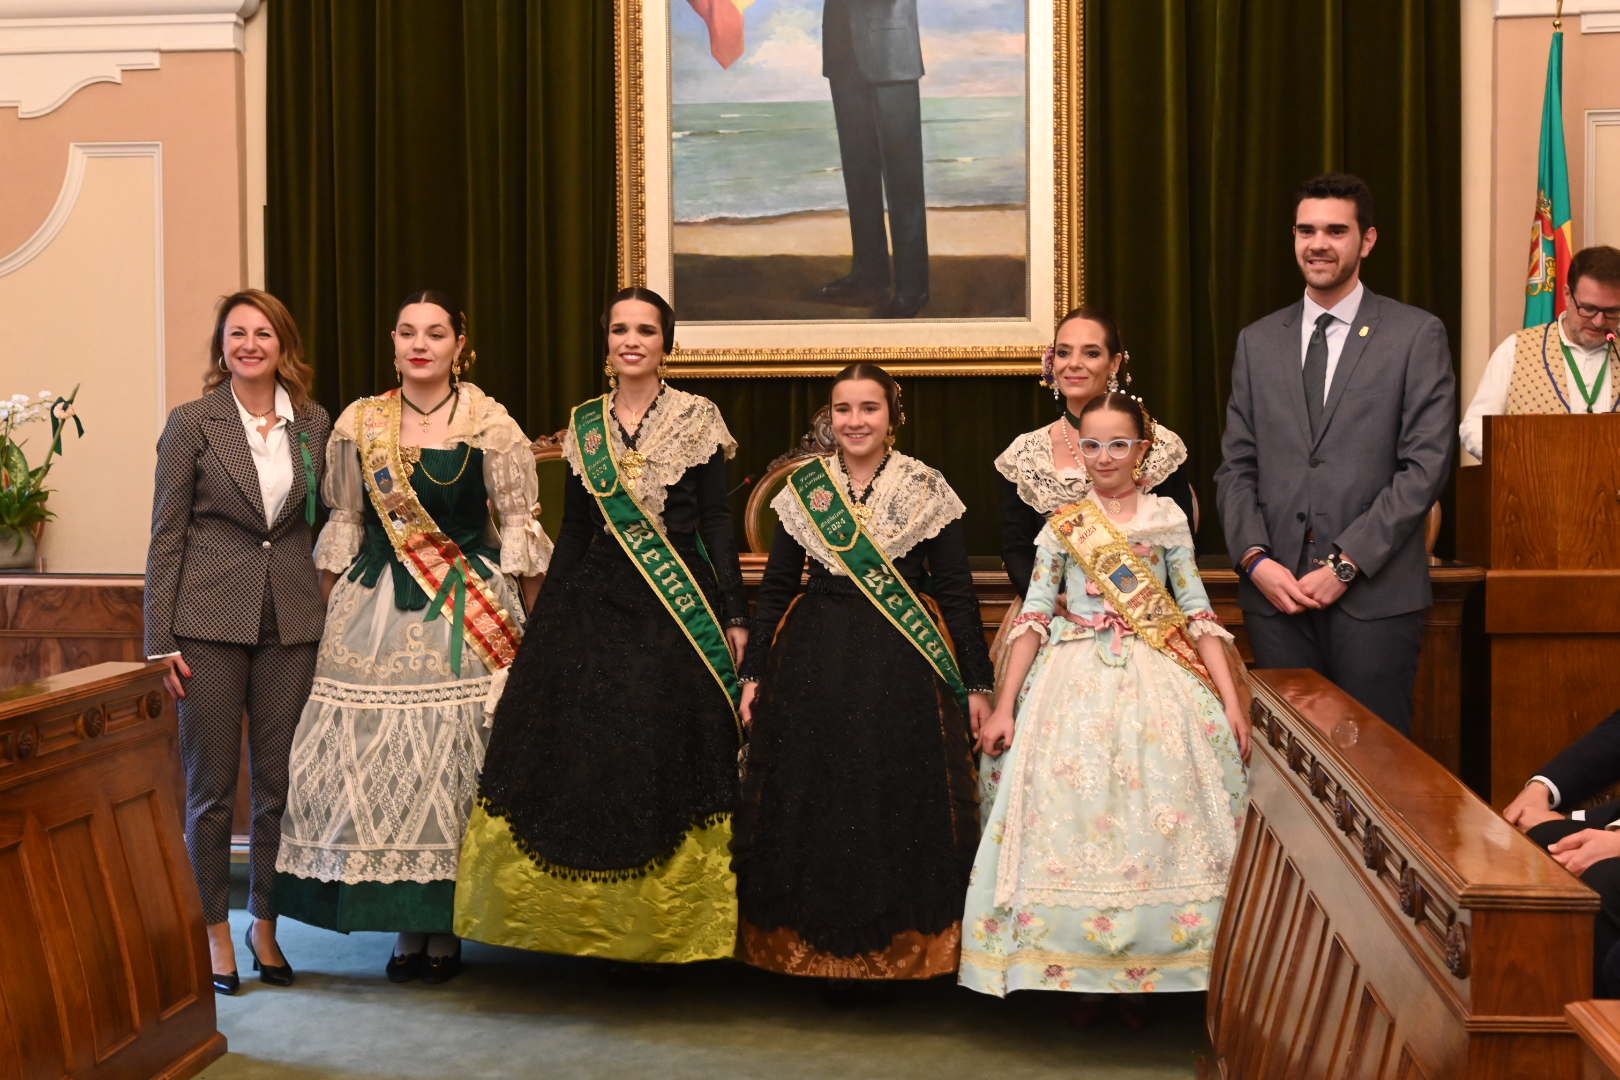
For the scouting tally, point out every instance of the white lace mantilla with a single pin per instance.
(681, 431)
(910, 502)
(1027, 462)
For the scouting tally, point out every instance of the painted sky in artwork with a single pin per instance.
(971, 48)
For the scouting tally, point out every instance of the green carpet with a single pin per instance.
(515, 1014)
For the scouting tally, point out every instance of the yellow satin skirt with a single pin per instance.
(682, 910)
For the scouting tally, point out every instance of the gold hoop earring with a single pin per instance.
(223, 366)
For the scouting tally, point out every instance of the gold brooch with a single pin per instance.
(633, 464)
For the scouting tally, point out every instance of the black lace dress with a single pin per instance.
(604, 817)
(858, 822)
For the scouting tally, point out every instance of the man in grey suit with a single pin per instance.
(871, 55)
(1339, 437)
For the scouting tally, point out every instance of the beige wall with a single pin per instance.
(92, 321)
(109, 271)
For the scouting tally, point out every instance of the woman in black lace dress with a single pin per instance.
(858, 826)
(603, 824)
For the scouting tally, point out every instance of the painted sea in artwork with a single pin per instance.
(760, 216)
(771, 158)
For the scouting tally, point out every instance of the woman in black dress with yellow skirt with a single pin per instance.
(858, 825)
(603, 824)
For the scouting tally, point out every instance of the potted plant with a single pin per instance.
(23, 494)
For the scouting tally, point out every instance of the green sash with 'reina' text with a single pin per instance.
(869, 568)
(649, 551)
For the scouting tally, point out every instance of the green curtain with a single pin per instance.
(464, 146)
(469, 144)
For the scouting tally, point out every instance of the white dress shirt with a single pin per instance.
(271, 457)
(1490, 398)
(1337, 332)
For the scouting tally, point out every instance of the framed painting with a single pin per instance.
(814, 182)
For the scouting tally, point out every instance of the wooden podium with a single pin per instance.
(1542, 515)
(103, 963)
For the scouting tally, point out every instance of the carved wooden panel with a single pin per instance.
(1381, 919)
(51, 623)
(103, 967)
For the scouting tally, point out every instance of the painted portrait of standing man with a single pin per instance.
(849, 159)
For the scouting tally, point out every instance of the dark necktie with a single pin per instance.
(1315, 372)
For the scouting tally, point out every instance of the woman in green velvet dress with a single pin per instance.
(424, 616)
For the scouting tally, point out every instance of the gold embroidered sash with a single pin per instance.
(434, 560)
(1128, 583)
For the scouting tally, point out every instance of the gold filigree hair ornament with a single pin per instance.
(468, 356)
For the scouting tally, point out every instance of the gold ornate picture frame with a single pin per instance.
(735, 179)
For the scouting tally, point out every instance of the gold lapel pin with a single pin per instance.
(1364, 331)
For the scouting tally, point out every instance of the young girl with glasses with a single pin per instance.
(1106, 851)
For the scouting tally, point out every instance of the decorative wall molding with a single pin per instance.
(1596, 16)
(79, 157)
(40, 83)
(51, 50)
(76, 26)
(1598, 227)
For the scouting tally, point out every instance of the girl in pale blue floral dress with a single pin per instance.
(1106, 852)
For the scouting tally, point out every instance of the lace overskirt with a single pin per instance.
(1107, 847)
(386, 758)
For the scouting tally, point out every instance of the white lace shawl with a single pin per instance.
(910, 503)
(1027, 462)
(681, 431)
(509, 477)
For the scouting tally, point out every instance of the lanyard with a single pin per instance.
(1580, 384)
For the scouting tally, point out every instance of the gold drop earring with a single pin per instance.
(612, 375)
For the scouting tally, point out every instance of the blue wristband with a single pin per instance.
(1248, 571)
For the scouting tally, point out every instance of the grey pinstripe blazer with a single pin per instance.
(211, 553)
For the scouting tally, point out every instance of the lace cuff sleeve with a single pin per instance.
(1030, 622)
(514, 488)
(339, 541)
(1205, 624)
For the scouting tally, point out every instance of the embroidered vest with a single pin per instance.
(1540, 382)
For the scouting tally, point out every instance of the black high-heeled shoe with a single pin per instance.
(274, 974)
(227, 984)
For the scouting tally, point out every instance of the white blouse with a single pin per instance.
(271, 458)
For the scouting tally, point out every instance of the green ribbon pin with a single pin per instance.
(309, 477)
(455, 580)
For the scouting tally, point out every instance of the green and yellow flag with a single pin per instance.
(1552, 233)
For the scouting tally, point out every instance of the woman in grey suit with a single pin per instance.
(233, 603)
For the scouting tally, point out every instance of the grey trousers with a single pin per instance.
(270, 682)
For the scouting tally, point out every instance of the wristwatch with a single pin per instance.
(1343, 568)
